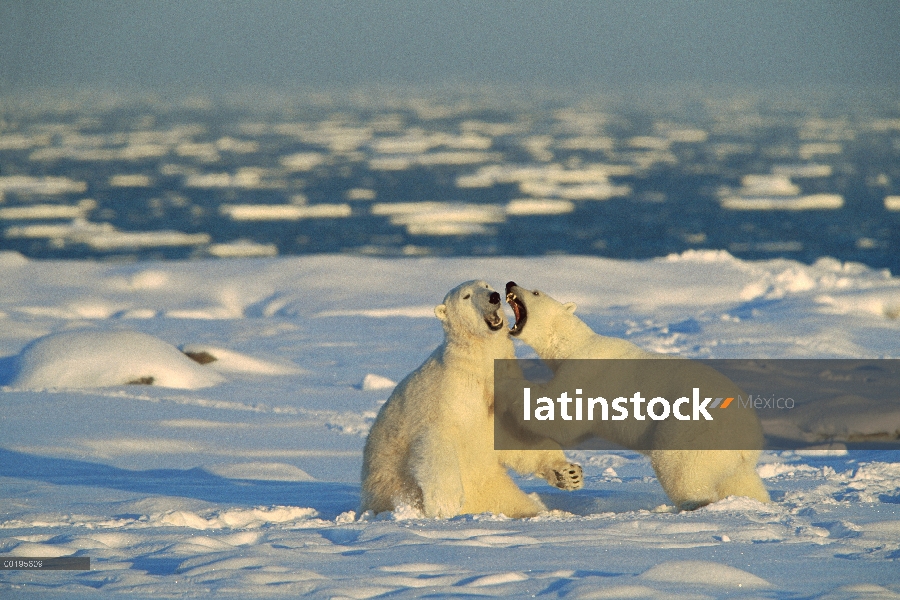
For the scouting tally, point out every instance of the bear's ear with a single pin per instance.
(440, 311)
(570, 307)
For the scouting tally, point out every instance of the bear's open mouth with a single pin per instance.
(519, 310)
(494, 320)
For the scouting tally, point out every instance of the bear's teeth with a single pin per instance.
(516, 307)
(494, 321)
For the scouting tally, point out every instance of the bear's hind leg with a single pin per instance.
(688, 482)
(436, 470)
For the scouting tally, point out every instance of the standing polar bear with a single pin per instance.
(432, 445)
(691, 477)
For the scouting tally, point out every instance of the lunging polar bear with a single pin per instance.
(691, 477)
(432, 444)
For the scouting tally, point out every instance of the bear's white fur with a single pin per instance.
(691, 478)
(432, 445)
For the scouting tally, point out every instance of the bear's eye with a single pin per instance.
(467, 296)
(536, 293)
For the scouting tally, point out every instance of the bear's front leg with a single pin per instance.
(549, 464)
(435, 467)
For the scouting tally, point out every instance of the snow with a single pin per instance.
(302, 161)
(24, 184)
(402, 162)
(360, 194)
(245, 178)
(284, 212)
(776, 185)
(104, 236)
(776, 191)
(242, 479)
(535, 206)
(372, 382)
(130, 180)
(438, 218)
(808, 170)
(456, 158)
(809, 202)
(807, 151)
(703, 573)
(91, 358)
(590, 182)
(223, 359)
(47, 211)
(242, 248)
(110, 239)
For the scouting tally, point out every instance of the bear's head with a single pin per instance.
(537, 314)
(472, 308)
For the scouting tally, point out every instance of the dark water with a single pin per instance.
(635, 177)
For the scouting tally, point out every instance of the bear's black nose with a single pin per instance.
(510, 285)
(495, 298)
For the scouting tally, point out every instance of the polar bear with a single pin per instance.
(690, 477)
(432, 444)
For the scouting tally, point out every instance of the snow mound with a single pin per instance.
(222, 359)
(497, 579)
(235, 518)
(861, 592)
(373, 382)
(704, 573)
(412, 312)
(739, 504)
(590, 591)
(37, 549)
(770, 470)
(93, 358)
(262, 471)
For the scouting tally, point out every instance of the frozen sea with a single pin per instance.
(242, 481)
(452, 172)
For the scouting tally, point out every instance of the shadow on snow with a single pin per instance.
(328, 498)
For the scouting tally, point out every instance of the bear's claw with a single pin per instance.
(569, 478)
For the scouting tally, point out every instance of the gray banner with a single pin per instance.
(37, 563)
(686, 404)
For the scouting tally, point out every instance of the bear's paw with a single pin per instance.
(568, 478)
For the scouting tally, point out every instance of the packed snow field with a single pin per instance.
(240, 478)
